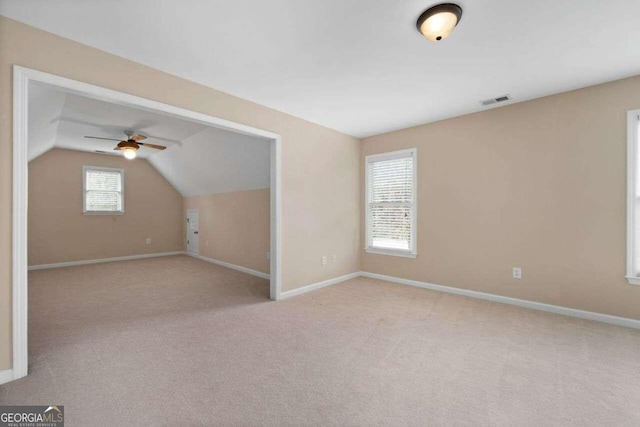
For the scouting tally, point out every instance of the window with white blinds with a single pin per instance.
(103, 190)
(391, 203)
(633, 198)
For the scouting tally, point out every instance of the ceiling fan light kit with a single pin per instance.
(438, 22)
(129, 153)
(131, 146)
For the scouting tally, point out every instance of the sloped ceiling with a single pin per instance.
(198, 159)
(45, 109)
(215, 161)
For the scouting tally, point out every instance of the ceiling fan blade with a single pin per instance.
(137, 137)
(98, 137)
(157, 147)
(117, 149)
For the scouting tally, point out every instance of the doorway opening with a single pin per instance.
(23, 79)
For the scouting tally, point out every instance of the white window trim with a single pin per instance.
(633, 120)
(413, 252)
(84, 190)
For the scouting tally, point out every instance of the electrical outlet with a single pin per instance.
(334, 258)
(324, 260)
(148, 240)
(268, 255)
(517, 273)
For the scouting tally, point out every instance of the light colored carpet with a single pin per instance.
(179, 341)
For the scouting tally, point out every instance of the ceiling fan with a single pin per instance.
(130, 147)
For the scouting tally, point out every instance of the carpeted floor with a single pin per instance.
(179, 341)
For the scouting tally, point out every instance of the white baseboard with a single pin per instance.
(6, 376)
(101, 260)
(231, 266)
(314, 286)
(599, 317)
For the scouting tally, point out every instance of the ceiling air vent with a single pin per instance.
(497, 100)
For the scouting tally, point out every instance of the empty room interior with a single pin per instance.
(319, 213)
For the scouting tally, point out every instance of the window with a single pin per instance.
(103, 190)
(391, 203)
(633, 198)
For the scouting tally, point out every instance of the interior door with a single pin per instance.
(192, 231)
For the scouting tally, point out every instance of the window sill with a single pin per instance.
(633, 280)
(103, 213)
(391, 252)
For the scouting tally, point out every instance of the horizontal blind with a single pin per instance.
(390, 199)
(103, 191)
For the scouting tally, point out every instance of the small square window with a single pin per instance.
(103, 190)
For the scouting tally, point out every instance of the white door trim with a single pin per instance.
(21, 78)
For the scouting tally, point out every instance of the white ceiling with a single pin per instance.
(63, 120)
(215, 161)
(359, 66)
(198, 159)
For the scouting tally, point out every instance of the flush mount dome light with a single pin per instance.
(438, 22)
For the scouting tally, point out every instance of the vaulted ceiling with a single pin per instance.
(198, 159)
(359, 66)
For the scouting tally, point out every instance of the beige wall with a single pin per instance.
(539, 185)
(60, 232)
(234, 227)
(320, 176)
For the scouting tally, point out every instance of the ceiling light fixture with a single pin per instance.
(438, 22)
(129, 153)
